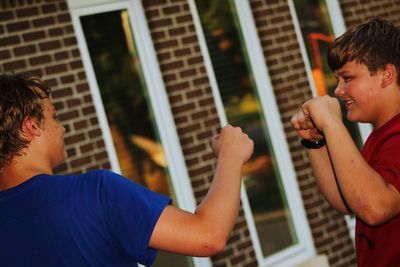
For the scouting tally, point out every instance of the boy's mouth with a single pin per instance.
(348, 103)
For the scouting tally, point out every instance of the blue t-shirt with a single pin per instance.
(94, 219)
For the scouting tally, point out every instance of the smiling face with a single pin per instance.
(360, 92)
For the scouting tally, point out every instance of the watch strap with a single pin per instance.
(313, 144)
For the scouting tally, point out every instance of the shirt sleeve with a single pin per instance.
(131, 212)
(388, 161)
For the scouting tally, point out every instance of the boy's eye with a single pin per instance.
(347, 78)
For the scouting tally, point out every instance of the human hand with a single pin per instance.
(233, 143)
(316, 114)
(305, 127)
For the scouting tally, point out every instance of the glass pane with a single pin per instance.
(317, 32)
(129, 115)
(242, 107)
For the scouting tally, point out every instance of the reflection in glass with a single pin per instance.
(242, 107)
(129, 115)
(317, 32)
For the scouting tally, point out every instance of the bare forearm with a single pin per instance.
(365, 191)
(205, 232)
(221, 203)
(325, 177)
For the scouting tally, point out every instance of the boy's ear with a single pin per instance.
(389, 75)
(30, 128)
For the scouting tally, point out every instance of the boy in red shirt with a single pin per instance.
(366, 63)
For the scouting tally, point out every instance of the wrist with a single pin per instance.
(311, 144)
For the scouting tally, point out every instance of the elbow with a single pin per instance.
(372, 219)
(375, 217)
(213, 244)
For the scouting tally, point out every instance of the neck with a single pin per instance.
(389, 108)
(19, 171)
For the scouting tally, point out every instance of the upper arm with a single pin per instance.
(387, 165)
(387, 162)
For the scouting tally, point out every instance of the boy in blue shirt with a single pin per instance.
(98, 218)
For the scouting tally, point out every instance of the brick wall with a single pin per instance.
(193, 108)
(355, 12)
(37, 37)
(291, 88)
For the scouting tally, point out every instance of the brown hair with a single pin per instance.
(20, 97)
(374, 44)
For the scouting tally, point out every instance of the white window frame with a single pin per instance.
(304, 250)
(339, 28)
(158, 101)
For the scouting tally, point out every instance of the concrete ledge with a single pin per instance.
(317, 261)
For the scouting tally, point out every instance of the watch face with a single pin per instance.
(313, 144)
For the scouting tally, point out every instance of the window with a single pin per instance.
(125, 88)
(272, 207)
(316, 31)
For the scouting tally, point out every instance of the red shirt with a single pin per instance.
(379, 246)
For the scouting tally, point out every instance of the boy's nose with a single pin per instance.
(339, 91)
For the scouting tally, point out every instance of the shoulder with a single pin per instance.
(384, 140)
(89, 182)
(99, 177)
(113, 185)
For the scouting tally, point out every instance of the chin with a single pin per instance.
(60, 160)
(353, 117)
(350, 118)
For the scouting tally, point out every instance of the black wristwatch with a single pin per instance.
(313, 144)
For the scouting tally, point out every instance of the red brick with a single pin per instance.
(39, 60)
(49, 45)
(160, 23)
(80, 162)
(6, 15)
(77, 64)
(165, 44)
(73, 102)
(82, 87)
(42, 22)
(64, 18)
(177, 31)
(49, 8)
(89, 110)
(55, 32)
(61, 55)
(171, 9)
(171, 66)
(67, 79)
(18, 26)
(69, 41)
(59, 68)
(184, 18)
(24, 50)
(33, 36)
(95, 133)
(76, 138)
(15, 65)
(27, 12)
(65, 92)
(5, 54)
